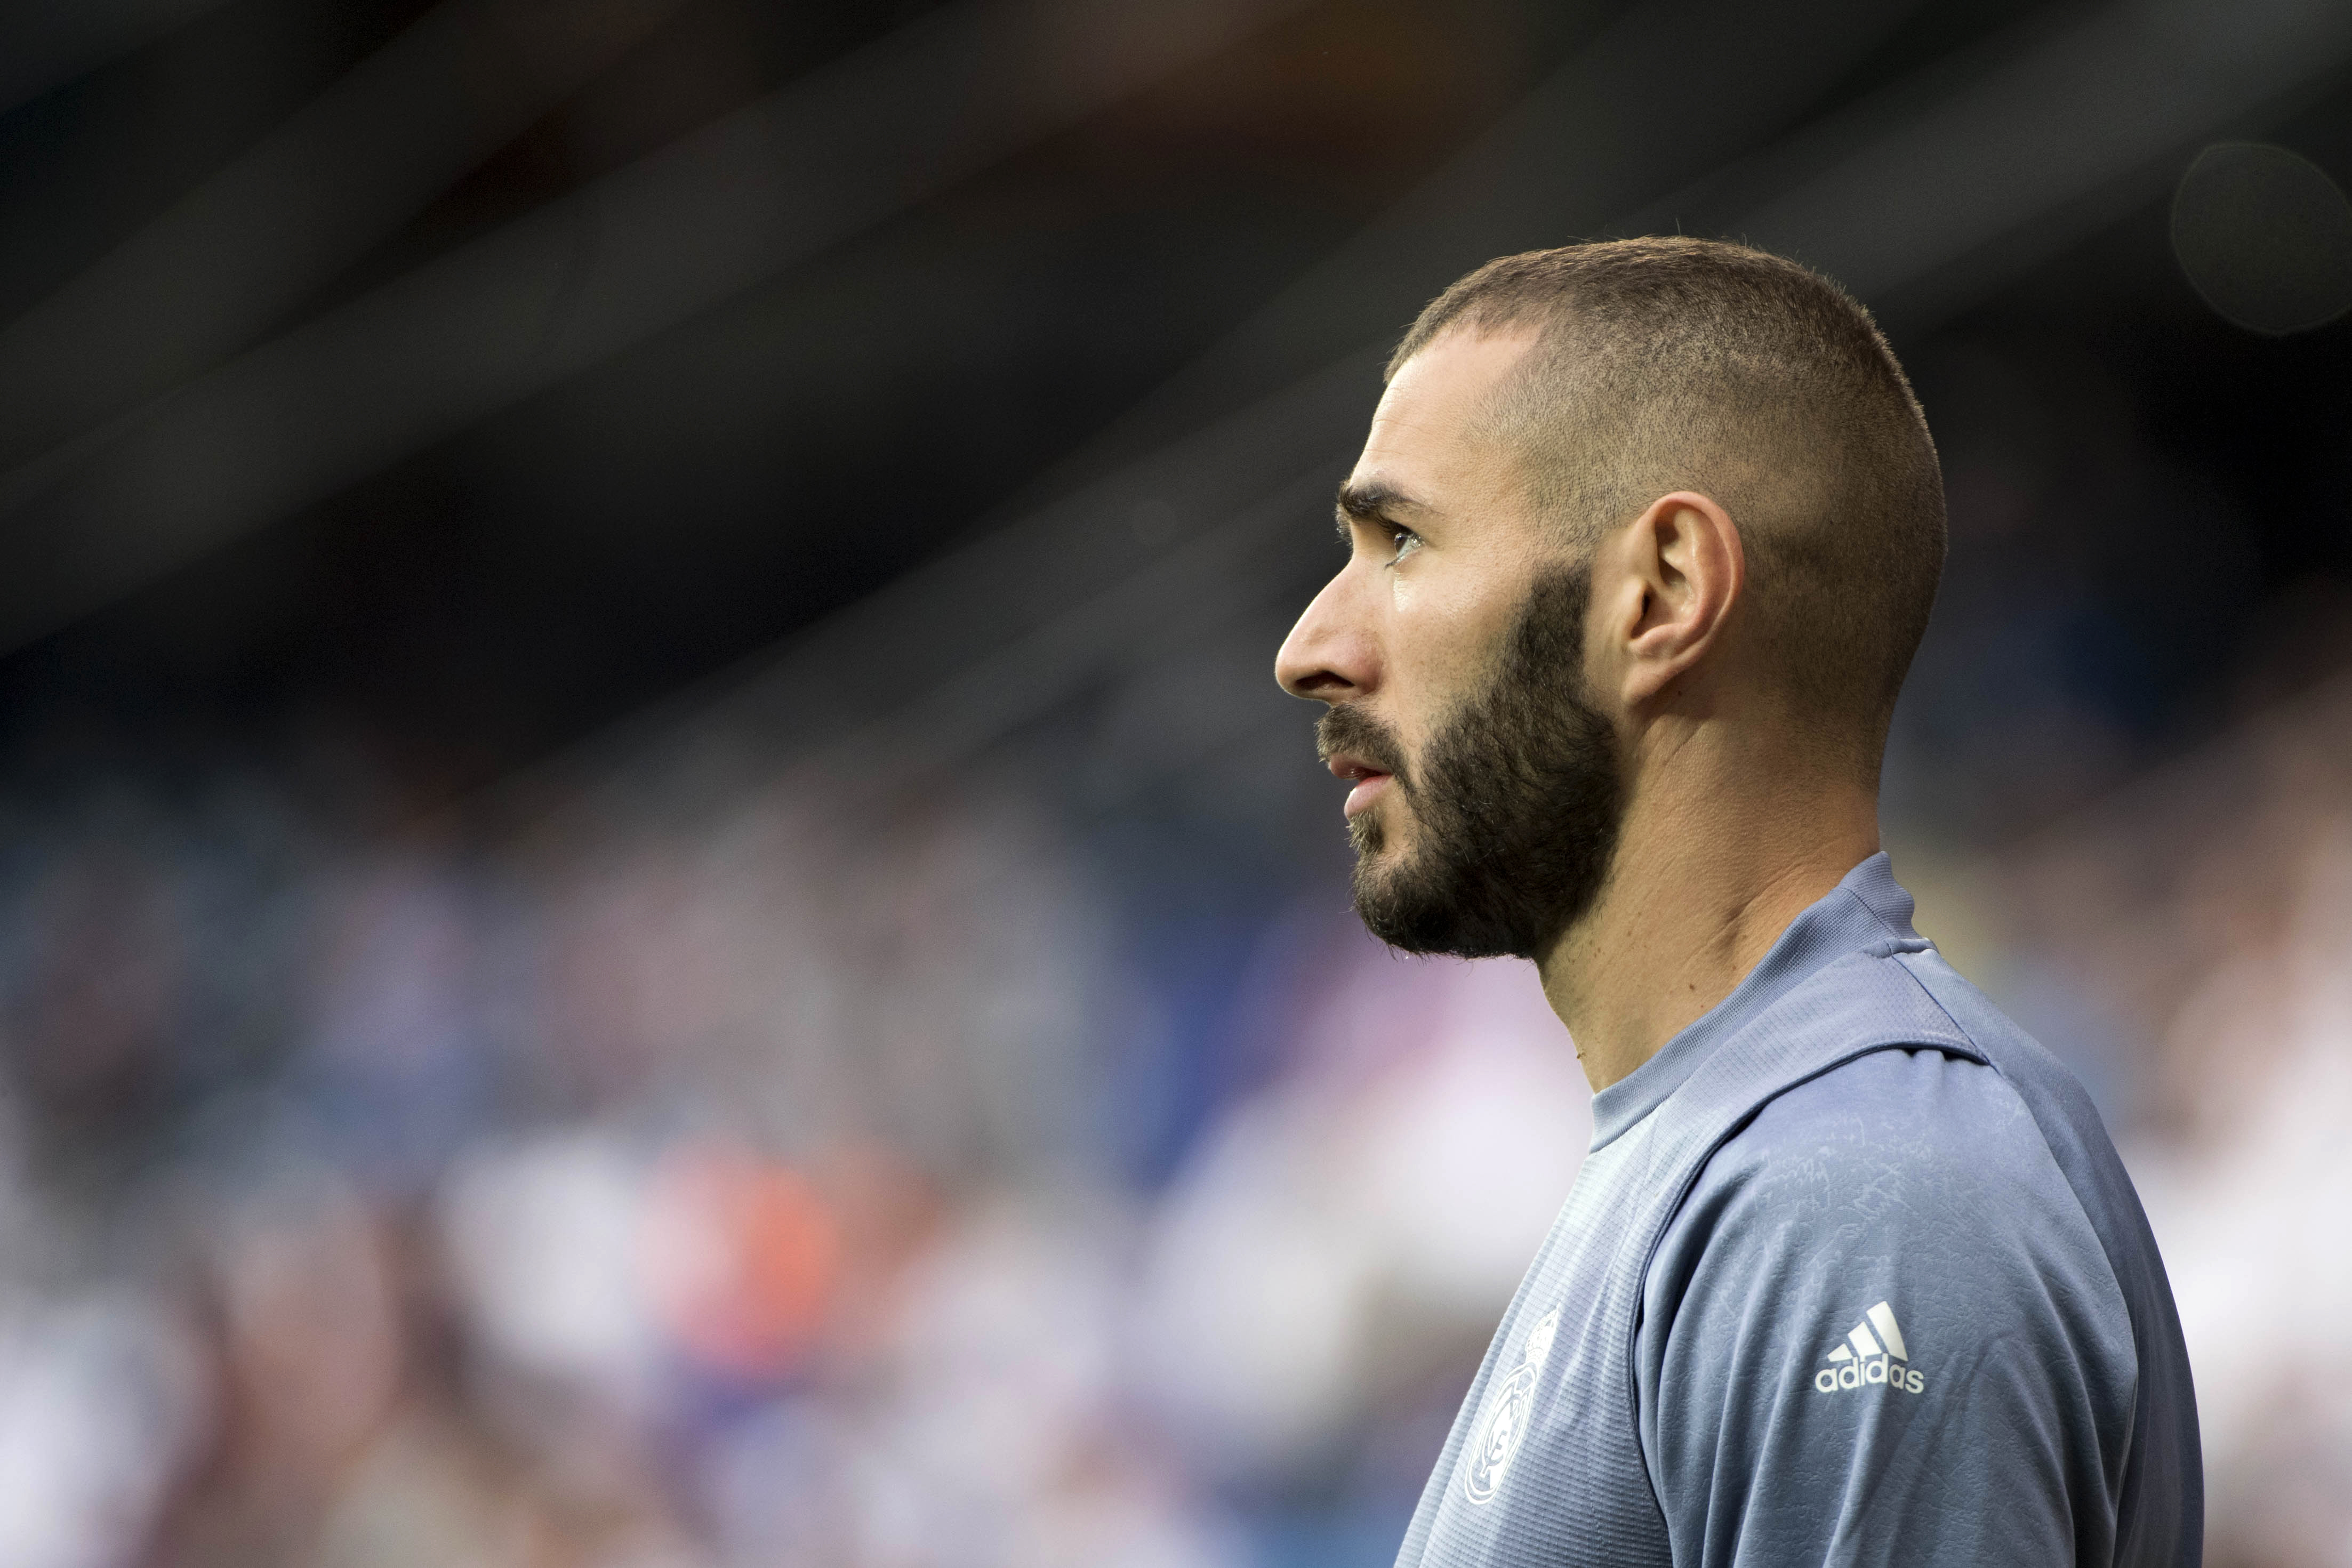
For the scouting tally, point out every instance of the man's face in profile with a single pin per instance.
(1451, 650)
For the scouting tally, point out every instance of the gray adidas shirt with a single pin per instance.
(1851, 1275)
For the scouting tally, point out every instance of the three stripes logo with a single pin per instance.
(1872, 1353)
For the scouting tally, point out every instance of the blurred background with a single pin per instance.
(655, 907)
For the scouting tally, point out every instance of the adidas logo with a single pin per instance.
(1866, 1357)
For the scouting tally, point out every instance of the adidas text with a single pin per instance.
(1859, 1373)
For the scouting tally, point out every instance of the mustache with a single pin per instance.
(1351, 730)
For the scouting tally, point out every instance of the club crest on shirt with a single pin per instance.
(1505, 1421)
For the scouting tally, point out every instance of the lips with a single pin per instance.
(1371, 782)
(1355, 746)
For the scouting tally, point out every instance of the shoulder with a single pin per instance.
(1937, 1142)
(1920, 1119)
(1911, 1176)
(1880, 1291)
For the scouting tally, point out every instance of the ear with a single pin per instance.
(1680, 572)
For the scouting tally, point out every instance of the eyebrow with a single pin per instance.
(1371, 502)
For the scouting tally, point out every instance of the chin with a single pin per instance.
(1375, 837)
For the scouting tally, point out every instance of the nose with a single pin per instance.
(1330, 656)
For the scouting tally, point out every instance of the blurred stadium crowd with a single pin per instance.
(727, 1190)
(794, 1177)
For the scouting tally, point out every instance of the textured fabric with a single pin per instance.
(1851, 1274)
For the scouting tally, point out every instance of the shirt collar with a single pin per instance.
(1868, 907)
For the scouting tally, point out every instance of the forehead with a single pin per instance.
(1430, 433)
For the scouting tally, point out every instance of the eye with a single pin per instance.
(1405, 540)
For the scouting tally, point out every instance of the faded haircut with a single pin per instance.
(1672, 364)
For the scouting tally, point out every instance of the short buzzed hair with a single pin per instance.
(1668, 365)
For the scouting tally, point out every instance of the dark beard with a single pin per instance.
(1519, 797)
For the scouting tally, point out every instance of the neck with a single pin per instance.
(1697, 892)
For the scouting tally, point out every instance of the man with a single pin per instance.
(1643, 540)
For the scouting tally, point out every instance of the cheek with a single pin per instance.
(1445, 634)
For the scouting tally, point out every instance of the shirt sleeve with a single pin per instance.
(1881, 1330)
